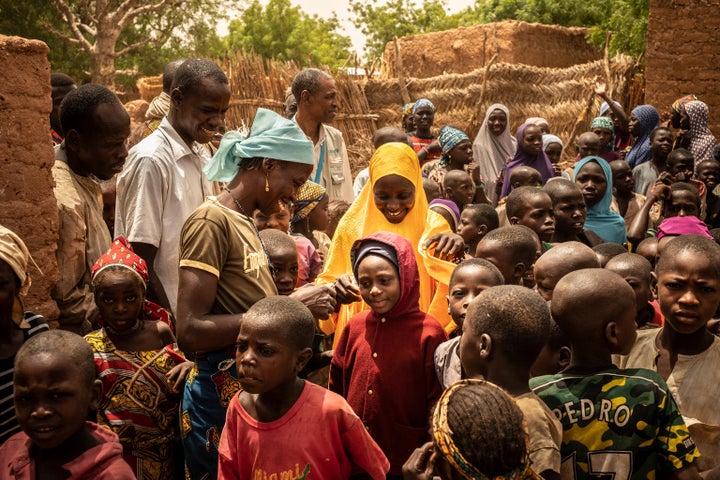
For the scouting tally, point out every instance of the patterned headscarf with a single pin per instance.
(423, 102)
(606, 123)
(681, 102)
(449, 138)
(407, 109)
(649, 120)
(702, 140)
(443, 436)
(306, 199)
(271, 136)
(121, 254)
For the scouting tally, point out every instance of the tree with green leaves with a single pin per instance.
(284, 32)
(109, 37)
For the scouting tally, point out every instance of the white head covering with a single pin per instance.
(492, 152)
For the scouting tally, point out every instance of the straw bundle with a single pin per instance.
(560, 95)
(149, 87)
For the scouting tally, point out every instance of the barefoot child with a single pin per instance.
(684, 352)
(136, 360)
(467, 281)
(475, 222)
(392, 393)
(55, 391)
(611, 418)
(477, 433)
(533, 208)
(506, 327)
(275, 410)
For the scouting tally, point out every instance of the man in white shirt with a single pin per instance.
(162, 182)
(316, 97)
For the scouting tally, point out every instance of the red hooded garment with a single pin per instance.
(384, 365)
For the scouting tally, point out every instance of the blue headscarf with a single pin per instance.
(609, 225)
(271, 136)
(649, 120)
(449, 138)
(423, 102)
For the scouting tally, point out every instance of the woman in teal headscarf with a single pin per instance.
(225, 269)
(594, 177)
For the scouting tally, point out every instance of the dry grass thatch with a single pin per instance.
(560, 95)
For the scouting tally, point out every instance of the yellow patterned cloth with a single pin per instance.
(139, 405)
(364, 218)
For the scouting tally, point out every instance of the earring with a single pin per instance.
(267, 185)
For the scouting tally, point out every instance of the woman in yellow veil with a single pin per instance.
(394, 201)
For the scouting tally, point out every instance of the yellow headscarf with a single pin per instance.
(364, 218)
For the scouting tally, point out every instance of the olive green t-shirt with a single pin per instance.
(224, 243)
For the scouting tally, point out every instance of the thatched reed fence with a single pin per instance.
(563, 96)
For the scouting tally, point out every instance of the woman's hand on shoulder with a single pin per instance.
(320, 299)
(448, 246)
(176, 377)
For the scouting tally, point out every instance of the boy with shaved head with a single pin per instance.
(615, 422)
(558, 262)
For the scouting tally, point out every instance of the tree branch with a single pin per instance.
(64, 9)
(133, 46)
(135, 12)
(88, 29)
(61, 35)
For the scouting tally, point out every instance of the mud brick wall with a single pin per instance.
(462, 50)
(27, 204)
(683, 51)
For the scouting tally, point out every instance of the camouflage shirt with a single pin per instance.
(619, 424)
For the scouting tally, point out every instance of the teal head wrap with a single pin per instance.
(271, 136)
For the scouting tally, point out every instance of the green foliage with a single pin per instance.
(627, 19)
(284, 32)
(398, 18)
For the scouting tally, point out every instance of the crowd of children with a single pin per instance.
(476, 312)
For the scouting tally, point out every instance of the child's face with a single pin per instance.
(681, 167)
(553, 152)
(460, 191)
(278, 220)
(592, 183)
(532, 140)
(520, 178)
(467, 284)
(688, 291)
(546, 278)
(682, 203)
(570, 212)
(285, 270)
(622, 177)
(394, 196)
(604, 134)
(469, 230)
(588, 147)
(53, 398)
(639, 283)
(495, 252)
(318, 217)
(551, 361)
(119, 297)
(538, 216)
(709, 174)
(462, 153)
(264, 358)
(379, 283)
(661, 144)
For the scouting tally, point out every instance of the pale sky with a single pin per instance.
(324, 8)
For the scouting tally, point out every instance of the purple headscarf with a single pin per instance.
(541, 163)
(450, 207)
